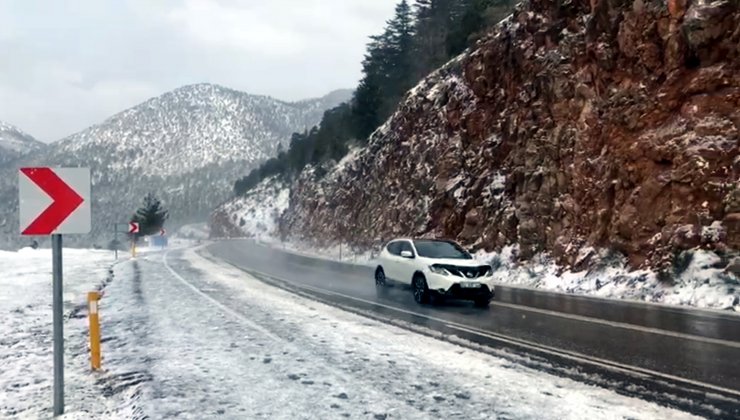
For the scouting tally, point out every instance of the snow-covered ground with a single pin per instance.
(188, 338)
(26, 363)
(699, 284)
(185, 337)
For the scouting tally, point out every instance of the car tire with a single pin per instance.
(380, 280)
(482, 302)
(420, 289)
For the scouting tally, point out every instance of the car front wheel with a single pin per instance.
(380, 277)
(420, 289)
(482, 302)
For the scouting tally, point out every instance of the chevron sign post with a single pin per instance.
(55, 201)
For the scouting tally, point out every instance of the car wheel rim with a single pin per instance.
(379, 278)
(418, 289)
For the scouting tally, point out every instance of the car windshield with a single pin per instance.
(441, 249)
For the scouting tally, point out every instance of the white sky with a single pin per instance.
(66, 65)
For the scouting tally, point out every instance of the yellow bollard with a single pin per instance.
(92, 311)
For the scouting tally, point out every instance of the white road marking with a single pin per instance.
(623, 325)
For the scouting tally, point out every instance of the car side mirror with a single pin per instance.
(407, 254)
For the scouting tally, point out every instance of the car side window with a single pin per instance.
(406, 246)
(394, 248)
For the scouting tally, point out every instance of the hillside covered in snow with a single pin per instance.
(15, 143)
(186, 146)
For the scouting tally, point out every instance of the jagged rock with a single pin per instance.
(601, 123)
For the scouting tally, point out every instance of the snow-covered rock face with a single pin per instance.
(574, 124)
(256, 214)
(14, 143)
(186, 146)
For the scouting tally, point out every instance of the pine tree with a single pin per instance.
(387, 72)
(414, 42)
(433, 23)
(400, 36)
(151, 216)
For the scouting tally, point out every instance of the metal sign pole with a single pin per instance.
(56, 255)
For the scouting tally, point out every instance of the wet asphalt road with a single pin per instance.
(700, 347)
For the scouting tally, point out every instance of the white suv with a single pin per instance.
(435, 269)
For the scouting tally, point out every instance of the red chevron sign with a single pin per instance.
(54, 200)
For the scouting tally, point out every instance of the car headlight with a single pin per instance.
(489, 272)
(438, 270)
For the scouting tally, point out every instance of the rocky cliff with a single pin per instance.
(576, 123)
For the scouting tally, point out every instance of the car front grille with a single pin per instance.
(466, 272)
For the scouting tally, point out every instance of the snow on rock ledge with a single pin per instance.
(253, 215)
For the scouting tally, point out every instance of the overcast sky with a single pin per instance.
(66, 65)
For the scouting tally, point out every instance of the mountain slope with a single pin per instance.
(573, 126)
(14, 143)
(187, 146)
(191, 127)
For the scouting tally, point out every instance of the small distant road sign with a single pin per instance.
(54, 201)
(133, 227)
(162, 232)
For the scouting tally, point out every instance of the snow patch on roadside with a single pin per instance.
(26, 353)
(699, 284)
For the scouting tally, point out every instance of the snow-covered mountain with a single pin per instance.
(14, 143)
(193, 127)
(187, 146)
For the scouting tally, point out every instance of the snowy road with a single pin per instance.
(659, 353)
(189, 338)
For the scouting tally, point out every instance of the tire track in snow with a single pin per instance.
(130, 382)
(241, 318)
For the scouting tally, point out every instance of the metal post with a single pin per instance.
(56, 265)
(94, 320)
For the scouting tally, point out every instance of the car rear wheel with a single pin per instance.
(380, 277)
(420, 289)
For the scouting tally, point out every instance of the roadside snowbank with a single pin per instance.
(697, 284)
(26, 354)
